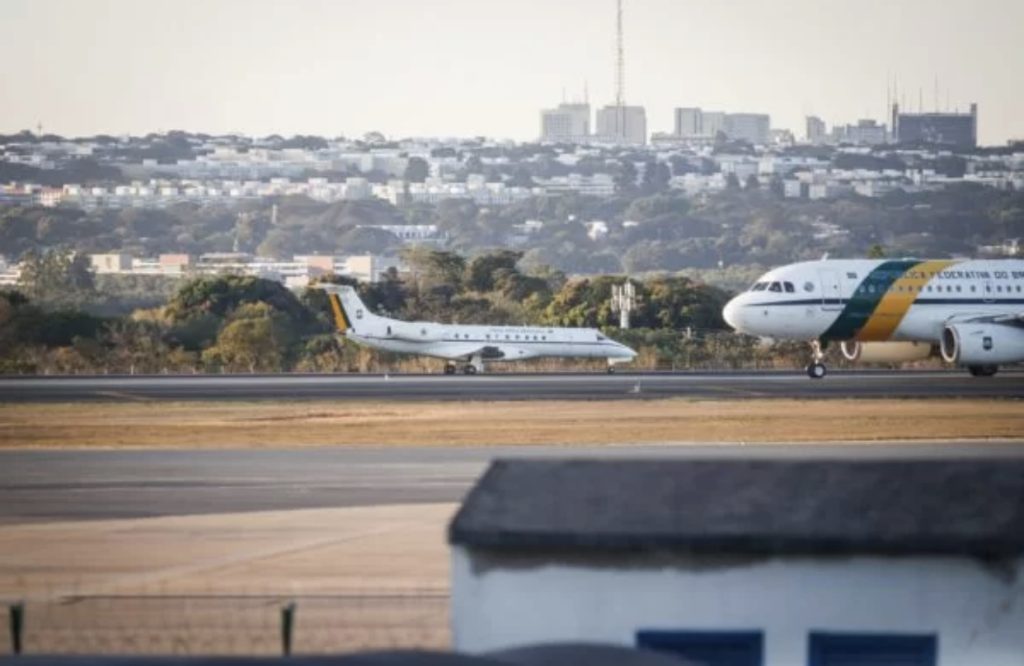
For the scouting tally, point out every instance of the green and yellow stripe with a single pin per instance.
(882, 300)
(340, 320)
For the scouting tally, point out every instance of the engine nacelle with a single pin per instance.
(415, 332)
(885, 352)
(983, 343)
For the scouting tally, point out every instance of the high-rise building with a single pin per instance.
(713, 122)
(695, 123)
(815, 130)
(952, 129)
(622, 124)
(866, 132)
(689, 123)
(568, 123)
(751, 127)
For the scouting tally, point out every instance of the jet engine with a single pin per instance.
(983, 343)
(885, 352)
(415, 332)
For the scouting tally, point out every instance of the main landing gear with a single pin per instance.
(982, 370)
(474, 365)
(816, 369)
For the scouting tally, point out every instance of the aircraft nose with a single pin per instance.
(732, 313)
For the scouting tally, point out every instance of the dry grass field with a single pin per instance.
(331, 423)
(361, 577)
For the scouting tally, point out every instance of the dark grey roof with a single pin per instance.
(573, 654)
(394, 658)
(973, 507)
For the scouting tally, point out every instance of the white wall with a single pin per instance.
(978, 613)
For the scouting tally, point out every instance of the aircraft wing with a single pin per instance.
(495, 352)
(1013, 319)
(1008, 319)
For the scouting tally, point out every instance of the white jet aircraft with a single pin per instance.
(472, 345)
(971, 311)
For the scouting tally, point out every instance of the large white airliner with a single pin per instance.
(471, 345)
(972, 311)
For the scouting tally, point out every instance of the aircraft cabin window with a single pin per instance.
(789, 287)
(423, 331)
(988, 288)
(808, 286)
(958, 289)
(775, 286)
(389, 330)
(973, 289)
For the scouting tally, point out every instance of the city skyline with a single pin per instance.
(468, 69)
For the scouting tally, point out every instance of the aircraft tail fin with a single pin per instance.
(346, 307)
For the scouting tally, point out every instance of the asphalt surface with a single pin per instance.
(104, 484)
(513, 387)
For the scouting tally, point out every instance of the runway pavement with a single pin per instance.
(100, 484)
(513, 387)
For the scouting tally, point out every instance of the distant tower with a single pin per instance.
(620, 60)
(624, 302)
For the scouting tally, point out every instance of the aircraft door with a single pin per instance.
(831, 290)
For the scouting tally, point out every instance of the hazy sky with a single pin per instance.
(486, 67)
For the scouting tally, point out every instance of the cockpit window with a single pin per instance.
(760, 286)
(789, 287)
(601, 338)
(775, 286)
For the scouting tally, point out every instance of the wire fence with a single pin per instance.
(262, 625)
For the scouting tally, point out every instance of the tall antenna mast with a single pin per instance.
(620, 60)
(620, 76)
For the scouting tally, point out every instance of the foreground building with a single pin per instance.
(773, 563)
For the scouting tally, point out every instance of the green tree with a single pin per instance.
(416, 170)
(256, 339)
(57, 278)
(655, 178)
(474, 165)
(625, 178)
(876, 251)
(482, 271)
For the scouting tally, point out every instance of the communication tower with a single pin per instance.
(620, 70)
(624, 302)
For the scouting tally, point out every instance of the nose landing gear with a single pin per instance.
(816, 369)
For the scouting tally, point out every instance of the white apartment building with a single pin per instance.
(622, 125)
(695, 123)
(568, 123)
(598, 185)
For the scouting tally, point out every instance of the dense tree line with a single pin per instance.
(233, 323)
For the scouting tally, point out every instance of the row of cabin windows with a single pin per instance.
(508, 336)
(788, 288)
(870, 289)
